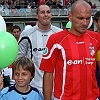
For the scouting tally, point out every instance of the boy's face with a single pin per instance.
(22, 77)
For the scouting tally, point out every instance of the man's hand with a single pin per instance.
(1, 82)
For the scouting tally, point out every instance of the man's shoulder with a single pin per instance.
(60, 34)
(56, 29)
(93, 33)
(28, 32)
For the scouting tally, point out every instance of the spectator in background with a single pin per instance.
(54, 4)
(6, 8)
(72, 1)
(48, 2)
(33, 5)
(36, 2)
(94, 6)
(29, 5)
(90, 3)
(41, 2)
(66, 3)
(97, 23)
(60, 4)
(11, 6)
(17, 4)
(1, 9)
(16, 30)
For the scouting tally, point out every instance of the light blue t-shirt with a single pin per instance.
(11, 93)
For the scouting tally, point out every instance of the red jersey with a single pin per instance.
(74, 60)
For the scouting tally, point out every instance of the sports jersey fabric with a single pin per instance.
(73, 59)
(11, 93)
(32, 44)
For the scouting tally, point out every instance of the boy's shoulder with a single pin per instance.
(35, 89)
(38, 92)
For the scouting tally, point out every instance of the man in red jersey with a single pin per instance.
(70, 59)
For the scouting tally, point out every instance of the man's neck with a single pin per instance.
(47, 27)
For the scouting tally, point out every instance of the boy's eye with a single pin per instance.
(16, 74)
(24, 73)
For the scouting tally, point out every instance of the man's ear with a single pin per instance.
(36, 16)
(70, 17)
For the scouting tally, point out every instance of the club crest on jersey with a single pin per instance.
(92, 52)
(45, 51)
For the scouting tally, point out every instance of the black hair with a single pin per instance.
(97, 16)
(16, 27)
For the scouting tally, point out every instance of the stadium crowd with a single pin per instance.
(12, 4)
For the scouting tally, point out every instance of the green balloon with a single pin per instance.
(69, 24)
(8, 49)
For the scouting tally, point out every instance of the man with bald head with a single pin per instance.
(69, 64)
(32, 41)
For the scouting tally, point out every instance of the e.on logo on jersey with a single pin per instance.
(70, 62)
(85, 61)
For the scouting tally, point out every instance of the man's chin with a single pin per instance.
(83, 31)
(46, 23)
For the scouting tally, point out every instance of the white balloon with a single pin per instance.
(91, 21)
(2, 24)
(28, 26)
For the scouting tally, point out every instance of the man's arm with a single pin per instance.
(47, 85)
(23, 44)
